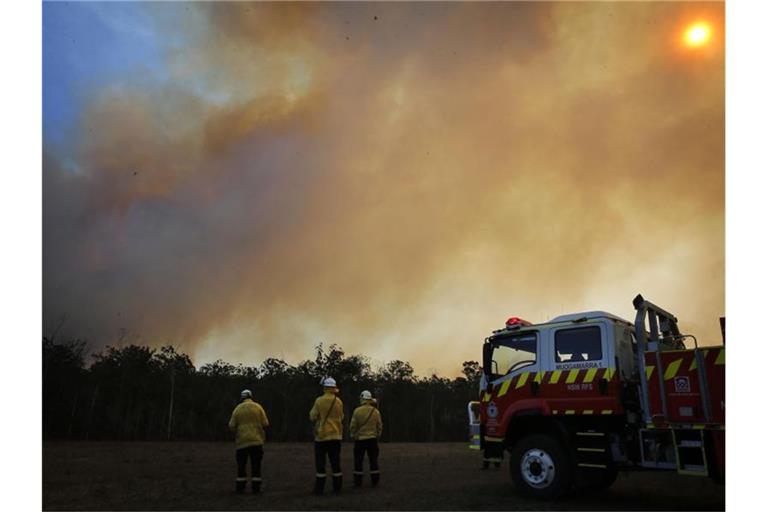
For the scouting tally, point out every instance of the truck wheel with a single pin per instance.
(540, 468)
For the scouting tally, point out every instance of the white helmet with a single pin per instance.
(366, 395)
(246, 393)
(329, 382)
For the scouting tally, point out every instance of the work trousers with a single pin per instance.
(370, 447)
(332, 450)
(255, 453)
(492, 453)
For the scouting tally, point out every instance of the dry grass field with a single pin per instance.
(419, 476)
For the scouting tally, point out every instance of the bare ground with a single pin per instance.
(417, 476)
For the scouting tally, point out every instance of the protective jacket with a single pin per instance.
(327, 414)
(248, 422)
(366, 422)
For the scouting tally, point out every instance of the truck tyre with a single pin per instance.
(540, 467)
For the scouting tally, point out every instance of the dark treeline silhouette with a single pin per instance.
(140, 393)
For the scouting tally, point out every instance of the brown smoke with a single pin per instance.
(394, 178)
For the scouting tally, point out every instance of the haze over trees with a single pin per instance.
(136, 392)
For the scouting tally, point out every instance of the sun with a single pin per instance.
(697, 34)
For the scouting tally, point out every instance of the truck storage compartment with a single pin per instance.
(691, 394)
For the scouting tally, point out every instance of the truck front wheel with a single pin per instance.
(539, 467)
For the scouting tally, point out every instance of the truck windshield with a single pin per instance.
(513, 353)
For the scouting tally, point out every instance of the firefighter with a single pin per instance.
(249, 422)
(492, 453)
(327, 415)
(365, 429)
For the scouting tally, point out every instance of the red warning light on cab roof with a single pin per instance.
(517, 322)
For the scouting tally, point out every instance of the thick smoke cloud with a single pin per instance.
(394, 178)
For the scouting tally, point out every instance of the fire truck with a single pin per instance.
(575, 400)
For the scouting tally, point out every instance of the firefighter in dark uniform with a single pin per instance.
(493, 453)
(327, 415)
(248, 422)
(365, 428)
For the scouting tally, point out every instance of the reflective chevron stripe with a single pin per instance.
(648, 372)
(555, 377)
(522, 380)
(504, 387)
(589, 376)
(539, 377)
(720, 357)
(608, 374)
(572, 376)
(671, 370)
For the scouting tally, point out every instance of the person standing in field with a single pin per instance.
(365, 428)
(327, 415)
(248, 422)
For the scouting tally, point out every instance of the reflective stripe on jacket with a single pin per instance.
(247, 422)
(366, 422)
(327, 414)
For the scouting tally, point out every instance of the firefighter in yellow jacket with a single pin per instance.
(327, 415)
(365, 428)
(249, 422)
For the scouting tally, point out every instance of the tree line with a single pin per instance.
(141, 393)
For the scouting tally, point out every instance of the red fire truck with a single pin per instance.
(574, 400)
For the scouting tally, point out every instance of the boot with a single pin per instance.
(337, 484)
(240, 486)
(358, 479)
(256, 485)
(319, 485)
(375, 478)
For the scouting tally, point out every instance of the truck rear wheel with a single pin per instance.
(539, 467)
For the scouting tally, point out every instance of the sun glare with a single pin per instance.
(697, 34)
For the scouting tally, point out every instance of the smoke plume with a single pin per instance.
(398, 179)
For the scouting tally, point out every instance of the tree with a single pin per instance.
(398, 371)
(172, 364)
(472, 371)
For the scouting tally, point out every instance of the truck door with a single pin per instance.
(512, 365)
(583, 380)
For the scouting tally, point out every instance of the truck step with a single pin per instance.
(693, 469)
(586, 465)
